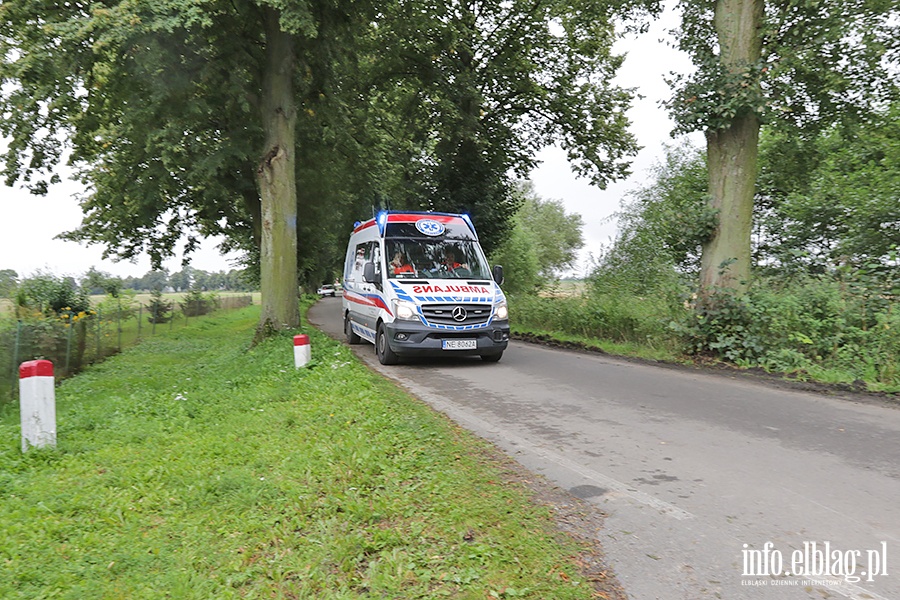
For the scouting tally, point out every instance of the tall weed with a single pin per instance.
(817, 325)
(605, 316)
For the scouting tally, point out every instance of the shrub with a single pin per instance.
(605, 316)
(195, 303)
(160, 310)
(52, 294)
(811, 323)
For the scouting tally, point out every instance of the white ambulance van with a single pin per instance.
(418, 284)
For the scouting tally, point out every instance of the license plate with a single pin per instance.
(459, 344)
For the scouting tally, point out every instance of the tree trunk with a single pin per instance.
(732, 156)
(277, 184)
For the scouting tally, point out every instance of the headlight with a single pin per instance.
(500, 312)
(405, 310)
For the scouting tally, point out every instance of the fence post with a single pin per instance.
(119, 323)
(15, 357)
(71, 328)
(99, 317)
(37, 399)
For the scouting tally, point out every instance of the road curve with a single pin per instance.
(714, 487)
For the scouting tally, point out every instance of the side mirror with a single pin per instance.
(497, 274)
(369, 273)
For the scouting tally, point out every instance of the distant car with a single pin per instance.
(327, 290)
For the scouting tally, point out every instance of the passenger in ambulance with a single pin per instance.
(400, 265)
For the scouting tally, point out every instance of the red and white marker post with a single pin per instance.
(302, 351)
(37, 403)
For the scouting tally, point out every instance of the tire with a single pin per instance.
(491, 358)
(383, 350)
(352, 338)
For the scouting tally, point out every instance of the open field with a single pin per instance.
(6, 304)
(144, 298)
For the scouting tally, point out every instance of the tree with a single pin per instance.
(201, 117)
(181, 280)
(8, 281)
(557, 234)
(662, 228)
(792, 64)
(98, 282)
(543, 242)
(479, 87)
(154, 280)
(832, 200)
(181, 115)
(670, 215)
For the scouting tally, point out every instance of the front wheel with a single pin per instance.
(352, 338)
(383, 350)
(491, 357)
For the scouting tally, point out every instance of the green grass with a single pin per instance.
(646, 350)
(195, 466)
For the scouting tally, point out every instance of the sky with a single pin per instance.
(29, 224)
(649, 60)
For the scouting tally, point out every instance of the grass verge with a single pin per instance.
(195, 466)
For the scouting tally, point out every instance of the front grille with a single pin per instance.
(443, 314)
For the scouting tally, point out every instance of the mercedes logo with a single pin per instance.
(459, 313)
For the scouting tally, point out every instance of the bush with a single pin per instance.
(726, 326)
(50, 294)
(195, 303)
(160, 311)
(604, 316)
(812, 324)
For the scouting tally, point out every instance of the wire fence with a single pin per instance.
(73, 341)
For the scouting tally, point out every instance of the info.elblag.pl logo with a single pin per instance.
(815, 561)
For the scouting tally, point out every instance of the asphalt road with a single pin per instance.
(711, 484)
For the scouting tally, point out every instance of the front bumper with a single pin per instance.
(413, 338)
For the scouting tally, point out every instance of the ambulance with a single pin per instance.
(418, 284)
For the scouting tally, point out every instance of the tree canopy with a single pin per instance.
(834, 198)
(826, 203)
(543, 243)
(190, 117)
(794, 65)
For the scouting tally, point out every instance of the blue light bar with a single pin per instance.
(468, 220)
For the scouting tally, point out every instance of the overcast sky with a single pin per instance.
(29, 224)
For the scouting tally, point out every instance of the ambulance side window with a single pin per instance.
(362, 251)
(350, 264)
(366, 252)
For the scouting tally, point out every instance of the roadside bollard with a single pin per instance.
(37, 403)
(301, 350)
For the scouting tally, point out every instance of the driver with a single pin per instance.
(449, 261)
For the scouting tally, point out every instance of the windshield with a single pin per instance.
(437, 259)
